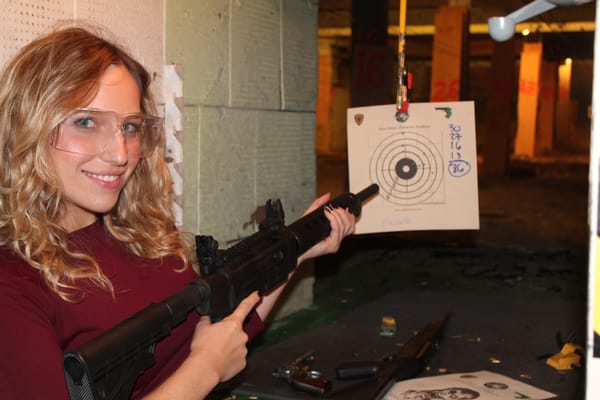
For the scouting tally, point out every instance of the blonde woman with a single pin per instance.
(86, 230)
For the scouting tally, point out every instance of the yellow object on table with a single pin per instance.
(568, 357)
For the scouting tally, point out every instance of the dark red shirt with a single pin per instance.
(38, 326)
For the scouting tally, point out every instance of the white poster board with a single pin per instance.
(593, 356)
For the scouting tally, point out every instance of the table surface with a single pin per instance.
(509, 335)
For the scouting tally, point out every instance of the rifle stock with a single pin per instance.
(108, 366)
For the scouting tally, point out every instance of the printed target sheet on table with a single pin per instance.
(426, 166)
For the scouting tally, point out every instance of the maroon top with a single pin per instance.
(38, 326)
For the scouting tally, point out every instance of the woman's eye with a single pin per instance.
(132, 127)
(84, 122)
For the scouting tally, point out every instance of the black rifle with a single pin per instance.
(107, 367)
(375, 378)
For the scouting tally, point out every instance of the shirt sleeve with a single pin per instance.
(254, 325)
(31, 366)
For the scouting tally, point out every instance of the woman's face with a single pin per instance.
(91, 184)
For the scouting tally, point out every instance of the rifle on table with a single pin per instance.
(108, 366)
(375, 378)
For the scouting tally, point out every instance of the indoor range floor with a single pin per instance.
(532, 244)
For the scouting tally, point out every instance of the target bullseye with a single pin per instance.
(408, 168)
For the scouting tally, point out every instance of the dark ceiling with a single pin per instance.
(557, 45)
(337, 13)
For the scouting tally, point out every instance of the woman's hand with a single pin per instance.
(342, 224)
(217, 353)
(222, 345)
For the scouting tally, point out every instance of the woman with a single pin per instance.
(86, 227)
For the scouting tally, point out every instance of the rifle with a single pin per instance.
(107, 367)
(375, 378)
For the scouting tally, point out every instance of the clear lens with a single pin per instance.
(90, 132)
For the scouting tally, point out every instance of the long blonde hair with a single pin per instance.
(42, 83)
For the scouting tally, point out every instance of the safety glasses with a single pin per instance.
(90, 131)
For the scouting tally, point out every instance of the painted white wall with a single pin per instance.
(592, 363)
(250, 88)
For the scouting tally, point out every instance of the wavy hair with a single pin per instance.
(40, 85)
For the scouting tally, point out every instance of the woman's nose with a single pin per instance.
(115, 151)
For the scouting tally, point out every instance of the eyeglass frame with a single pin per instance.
(158, 124)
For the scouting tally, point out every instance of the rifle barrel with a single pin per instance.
(368, 192)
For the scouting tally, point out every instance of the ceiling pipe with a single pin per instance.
(503, 28)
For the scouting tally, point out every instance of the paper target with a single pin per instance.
(408, 168)
(425, 167)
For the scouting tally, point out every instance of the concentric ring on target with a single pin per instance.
(408, 168)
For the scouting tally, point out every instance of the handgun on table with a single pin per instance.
(299, 374)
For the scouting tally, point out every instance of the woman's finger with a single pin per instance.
(246, 305)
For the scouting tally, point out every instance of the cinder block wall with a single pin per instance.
(250, 89)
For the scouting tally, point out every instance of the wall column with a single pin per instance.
(527, 107)
(566, 109)
(547, 108)
(324, 98)
(498, 129)
(371, 75)
(450, 54)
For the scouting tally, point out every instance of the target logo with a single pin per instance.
(408, 168)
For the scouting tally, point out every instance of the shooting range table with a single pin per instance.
(509, 335)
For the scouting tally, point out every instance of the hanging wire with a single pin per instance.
(403, 77)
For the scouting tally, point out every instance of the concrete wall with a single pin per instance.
(249, 93)
(134, 24)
